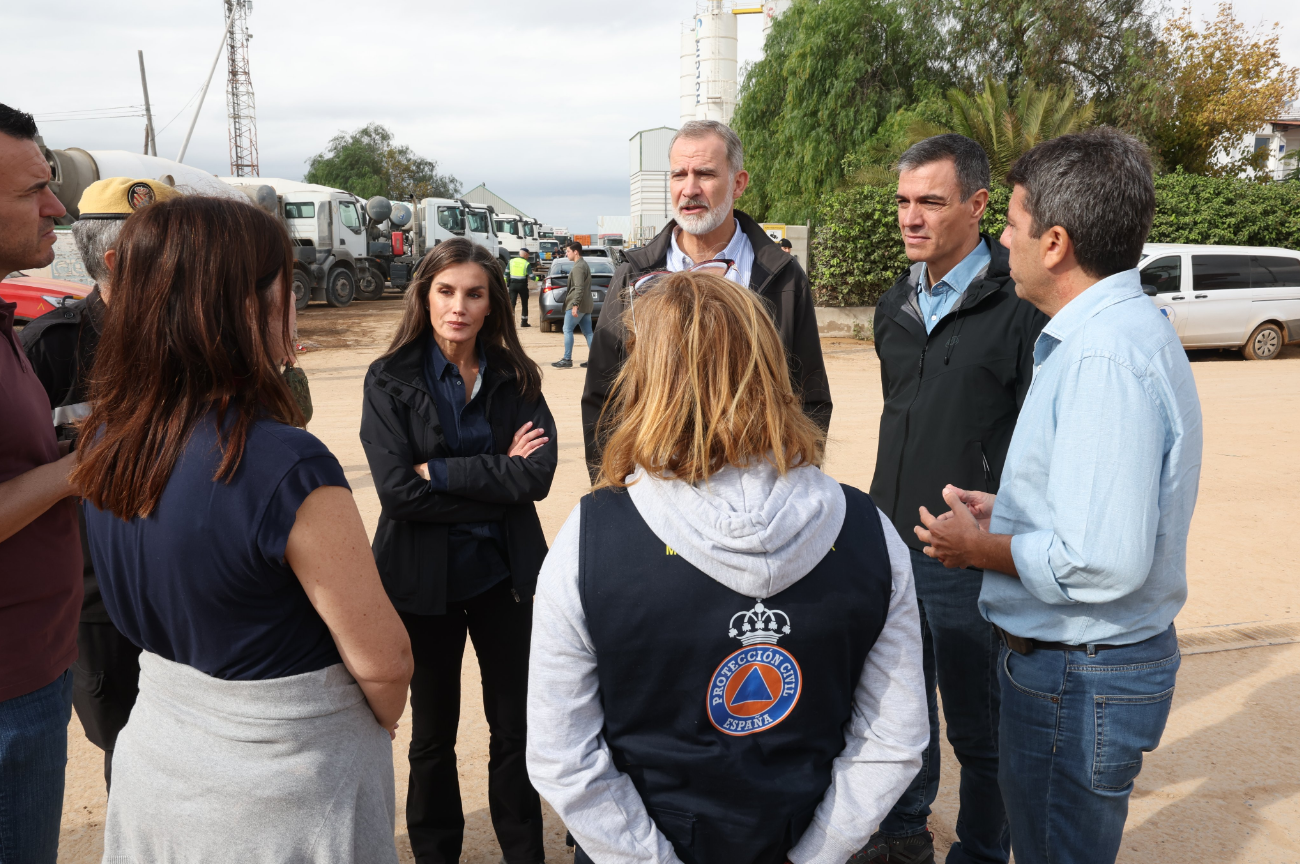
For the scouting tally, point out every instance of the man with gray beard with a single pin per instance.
(707, 175)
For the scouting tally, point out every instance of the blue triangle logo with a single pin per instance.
(752, 689)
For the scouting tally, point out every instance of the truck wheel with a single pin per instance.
(1265, 343)
(370, 286)
(301, 290)
(340, 287)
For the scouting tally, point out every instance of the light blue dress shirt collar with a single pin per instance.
(939, 299)
(739, 251)
(1106, 292)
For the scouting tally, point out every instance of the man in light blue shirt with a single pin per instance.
(1084, 547)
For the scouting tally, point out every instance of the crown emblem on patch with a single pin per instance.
(759, 624)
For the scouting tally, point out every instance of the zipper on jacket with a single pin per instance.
(988, 472)
(515, 594)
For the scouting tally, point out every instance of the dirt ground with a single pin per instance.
(1224, 784)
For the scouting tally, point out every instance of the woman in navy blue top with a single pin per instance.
(461, 445)
(229, 549)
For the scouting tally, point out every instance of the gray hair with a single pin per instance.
(94, 237)
(693, 129)
(1097, 186)
(968, 158)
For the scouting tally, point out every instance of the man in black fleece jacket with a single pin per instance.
(956, 359)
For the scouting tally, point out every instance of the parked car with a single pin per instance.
(1245, 297)
(36, 295)
(551, 298)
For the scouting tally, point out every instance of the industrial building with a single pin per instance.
(480, 194)
(652, 204)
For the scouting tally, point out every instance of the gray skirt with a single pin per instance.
(284, 770)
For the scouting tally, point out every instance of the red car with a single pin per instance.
(36, 295)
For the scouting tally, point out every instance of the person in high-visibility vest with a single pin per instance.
(520, 269)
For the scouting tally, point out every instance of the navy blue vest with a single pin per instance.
(727, 712)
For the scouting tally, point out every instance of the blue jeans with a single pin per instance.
(33, 756)
(1074, 728)
(570, 323)
(960, 654)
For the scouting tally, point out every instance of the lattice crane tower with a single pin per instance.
(239, 93)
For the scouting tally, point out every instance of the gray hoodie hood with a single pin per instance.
(751, 529)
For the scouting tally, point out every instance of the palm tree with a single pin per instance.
(1007, 128)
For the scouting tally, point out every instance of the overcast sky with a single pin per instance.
(535, 100)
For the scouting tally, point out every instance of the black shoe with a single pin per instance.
(915, 849)
(875, 852)
(525, 323)
(563, 364)
(583, 365)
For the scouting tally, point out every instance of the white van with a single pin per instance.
(1245, 297)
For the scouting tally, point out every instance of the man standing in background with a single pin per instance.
(956, 358)
(520, 271)
(577, 303)
(61, 346)
(40, 556)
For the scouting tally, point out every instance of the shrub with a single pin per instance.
(857, 252)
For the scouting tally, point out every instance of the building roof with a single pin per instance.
(480, 194)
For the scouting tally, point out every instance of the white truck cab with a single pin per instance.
(479, 228)
(510, 232)
(532, 234)
(331, 246)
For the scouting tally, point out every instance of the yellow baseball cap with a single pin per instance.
(119, 197)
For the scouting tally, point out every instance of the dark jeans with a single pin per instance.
(33, 758)
(106, 680)
(519, 289)
(500, 627)
(1074, 728)
(961, 655)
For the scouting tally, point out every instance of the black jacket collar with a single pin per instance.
(406, 366)
(900, 301)
(768, 257)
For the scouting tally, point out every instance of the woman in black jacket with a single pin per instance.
(461, 444)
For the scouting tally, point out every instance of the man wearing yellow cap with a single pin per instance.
(61, 348)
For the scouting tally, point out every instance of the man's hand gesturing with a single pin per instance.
(960, 538)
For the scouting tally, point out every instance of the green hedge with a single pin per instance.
(857, 251)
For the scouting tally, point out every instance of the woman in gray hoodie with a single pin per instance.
(726, 654)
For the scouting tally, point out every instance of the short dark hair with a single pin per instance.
(967, 156)
(1097, 186)
(574, 245)
(785, 243)
(17, 124)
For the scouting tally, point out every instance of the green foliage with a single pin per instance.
(1195, 209)
(871, 163)
(857, 249)
(832, 72)
(367, 163)
(1007, 127)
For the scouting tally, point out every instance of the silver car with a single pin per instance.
(1245, 297)
(551, 298)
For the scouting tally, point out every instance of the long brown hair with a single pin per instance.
(185, 333)
(499, 336)
(705, 385)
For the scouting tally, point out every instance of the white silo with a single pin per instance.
(687, 91)
(715, 52)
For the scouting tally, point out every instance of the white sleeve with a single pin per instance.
(568, 761)
(886, 734)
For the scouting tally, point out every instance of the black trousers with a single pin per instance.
(519, 288)
(500, 627)
(106, 680)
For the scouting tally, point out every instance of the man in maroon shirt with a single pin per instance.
(40, 553)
